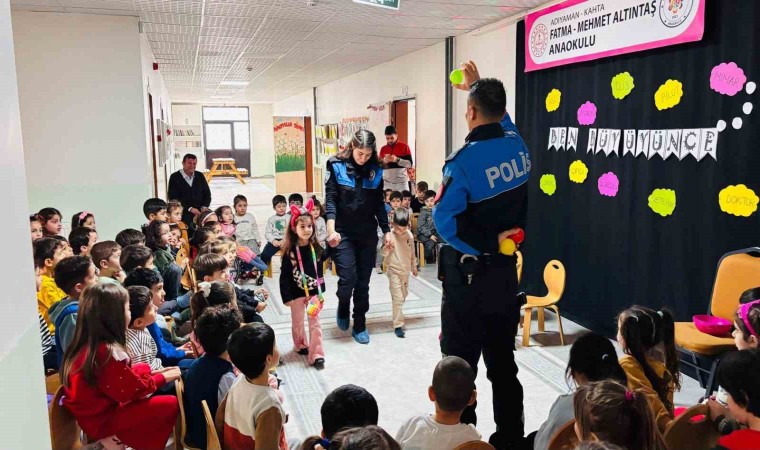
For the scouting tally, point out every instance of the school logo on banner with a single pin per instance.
(539, 38)
(675, 12)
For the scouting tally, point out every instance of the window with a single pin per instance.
(227, 128)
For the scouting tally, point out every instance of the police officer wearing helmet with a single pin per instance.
(483, 198)
(354, 208)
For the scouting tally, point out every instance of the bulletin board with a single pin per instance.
(290, 154)
(645, 168)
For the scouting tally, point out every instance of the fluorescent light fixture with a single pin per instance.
(253, 55)
(221, 97)
(234, 83)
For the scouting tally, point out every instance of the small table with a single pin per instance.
(225, 166)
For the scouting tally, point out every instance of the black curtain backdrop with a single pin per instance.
(617, 251)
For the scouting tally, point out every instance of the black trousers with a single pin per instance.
(354, 260)
(482, 317)
(268, 252)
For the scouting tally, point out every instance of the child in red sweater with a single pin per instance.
(107, 395)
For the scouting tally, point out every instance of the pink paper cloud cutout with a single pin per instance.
(608, 184)
(727, 79)
(587, 114)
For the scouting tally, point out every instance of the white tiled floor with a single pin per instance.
(398, 371)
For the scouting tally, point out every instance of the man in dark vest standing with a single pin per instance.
(191, 189)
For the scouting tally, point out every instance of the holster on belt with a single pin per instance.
(448, 263)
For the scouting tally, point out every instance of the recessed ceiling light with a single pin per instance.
(234, 83)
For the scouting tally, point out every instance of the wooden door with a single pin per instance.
(401, 120)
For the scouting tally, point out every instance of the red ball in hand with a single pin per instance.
(519, 236)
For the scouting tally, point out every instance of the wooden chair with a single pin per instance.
(52, 383)
(268, 272)
(565, 438)
(188, 277)
(212, 438)
(519, 256)
(64, 430)
(475, 445)
(421, 253)
(181, 424)
(419, 248)
(737, 271)
(689, 432)
(183, 258)
(328, 265)
(219, 420)
(554, 277)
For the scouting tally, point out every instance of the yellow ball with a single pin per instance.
(507, 247)
(456, 76)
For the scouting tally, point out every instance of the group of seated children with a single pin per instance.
(73, 285)
(278, 224)
(118, 347)
(627, 402)
(420, 207)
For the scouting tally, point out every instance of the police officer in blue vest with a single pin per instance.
(355, 208)
(483, 198)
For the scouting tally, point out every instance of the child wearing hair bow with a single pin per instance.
(302, 282)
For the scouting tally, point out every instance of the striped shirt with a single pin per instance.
(47, 340)
(142, 348)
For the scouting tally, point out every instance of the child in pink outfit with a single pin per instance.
(301, 278)
(227, 219)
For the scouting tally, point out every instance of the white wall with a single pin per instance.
(153, 83)
(494, 53)
(262, 140)
(423, 73)
(24, 416)
(299, 105)
(83, 116)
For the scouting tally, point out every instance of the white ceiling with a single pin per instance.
(203, 45)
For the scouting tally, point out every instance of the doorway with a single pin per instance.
(404, 118)
(227, 134)
(153, 145)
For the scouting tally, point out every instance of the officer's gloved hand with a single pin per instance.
(522, 298)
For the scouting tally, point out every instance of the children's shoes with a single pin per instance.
(399, 332)
(361, 337)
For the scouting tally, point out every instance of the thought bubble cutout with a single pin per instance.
(548, 184)
(608, 184)
(738, 200)
(663, 201)
(553, 99)
(578, 171)
(587, 114)
(622, 85)
(668, 95)
(727, 79)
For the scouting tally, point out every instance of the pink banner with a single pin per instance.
(584, 30)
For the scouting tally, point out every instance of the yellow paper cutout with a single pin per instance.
(622, 85)
(668, 95)
(553, 99)
(548, 184)
(578, 171)
(738, 200)
(663, 201)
